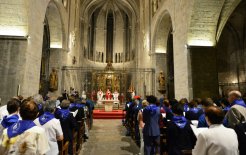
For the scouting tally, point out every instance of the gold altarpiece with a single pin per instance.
(123, 80)
(109, 79)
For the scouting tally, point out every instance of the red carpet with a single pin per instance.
(115, 114)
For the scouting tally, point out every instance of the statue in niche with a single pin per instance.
(53, 80)
(161, 80)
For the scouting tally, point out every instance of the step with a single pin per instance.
(115, 114)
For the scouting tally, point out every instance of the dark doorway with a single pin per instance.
(44, 69)
(170, 67)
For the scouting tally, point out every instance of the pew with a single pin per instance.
(163, 141)
(63, 147)
(80, 136)
(75, 134)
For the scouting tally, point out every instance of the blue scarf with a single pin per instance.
(80, 106)
(180, 121)
(40, 106)
(239, 102)
(46, 117)
(72, 105)
(76, 105)
(19, 128)
(195, 110)
(227, 108)
(63, 113)
(186, 107)
(151, 109)
(8, 121)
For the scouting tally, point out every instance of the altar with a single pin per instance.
(108, 105)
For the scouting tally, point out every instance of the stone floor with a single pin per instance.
(107, 137)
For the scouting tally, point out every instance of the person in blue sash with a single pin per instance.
(68, 123)
(193, 113)
(24, 137)
(202, 123)
(179, 134)
(38, 99)
(127, 121)
(168, 110)
(51, 125)
(90, 105)
(13, 117)
(136, 108)
(184, 102)
(199, 103)
(82, 114)
(237, 113)
(151, 130)
(225, 105)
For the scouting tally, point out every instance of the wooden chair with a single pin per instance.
(63, 147)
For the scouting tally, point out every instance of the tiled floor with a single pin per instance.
(107, 137)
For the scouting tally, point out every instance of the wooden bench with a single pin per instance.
(75, 134)
(63, 147)
(80, 135)
(163, 140)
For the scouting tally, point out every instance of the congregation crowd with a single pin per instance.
(198, 127)
(49, 125)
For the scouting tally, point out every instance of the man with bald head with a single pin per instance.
(217, 139)
(237, 113)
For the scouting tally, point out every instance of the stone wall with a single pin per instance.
(12, 66)
(21, 59)
(204, 72)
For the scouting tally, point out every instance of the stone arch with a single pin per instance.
(161, 33)
(57, 32)
(98, 10)
(228, 8)
(231, 51)
(162, 48)
(207, 21)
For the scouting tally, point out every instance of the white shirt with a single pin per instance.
(53, 130)
(217, 140)
(3, 112)
(32, 142)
